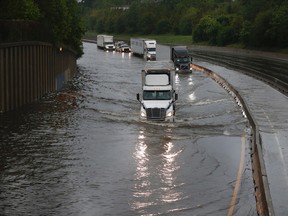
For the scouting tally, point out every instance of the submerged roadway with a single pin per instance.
(84, 151)
(267, 105)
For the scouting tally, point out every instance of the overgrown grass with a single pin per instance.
(163, 39)
(171, 39)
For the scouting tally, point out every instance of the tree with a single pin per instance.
(163, 26)
(132, 18)
(188, 20)
(19, 9)
(147, 24)
(279, 23)
(207, 30)
(63, 23)
(218, 22)
(260, 29)
(76, 27)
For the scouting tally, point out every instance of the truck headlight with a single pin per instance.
(169, 114)
(143, 114)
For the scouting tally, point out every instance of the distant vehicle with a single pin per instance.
(158, 91)
(144, 47)
(105, 42)
(122, 47)
(118, 43)
(181, 59)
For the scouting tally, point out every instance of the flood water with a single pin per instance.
(84, 151)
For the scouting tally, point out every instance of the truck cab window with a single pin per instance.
(156, 95)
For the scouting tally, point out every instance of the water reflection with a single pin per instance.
(123, 55)
(190, 81)
(156, 182)
(36, 145)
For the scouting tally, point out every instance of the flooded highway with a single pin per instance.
(269, 108)
(84, 151)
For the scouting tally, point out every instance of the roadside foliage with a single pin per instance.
(253, 23)
(54, 21)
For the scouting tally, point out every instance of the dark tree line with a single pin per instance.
(254, 23)
(56, 21)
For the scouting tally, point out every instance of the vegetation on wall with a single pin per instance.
(56, 21)
(253, 23)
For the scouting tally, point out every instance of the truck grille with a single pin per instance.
(156, 113)
(184, 67)
(126, 50)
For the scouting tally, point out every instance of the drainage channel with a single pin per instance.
(261, 186)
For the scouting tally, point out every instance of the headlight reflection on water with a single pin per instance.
(156, 172)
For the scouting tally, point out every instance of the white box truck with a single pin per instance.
(144, 47)
(105, 42)
(158, 91)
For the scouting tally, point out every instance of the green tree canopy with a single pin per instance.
(254, 23)
(58, 21)
(19, 9)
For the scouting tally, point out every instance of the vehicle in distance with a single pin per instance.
(181, 59)
(144, 47)
(105, 42)
(121, 46)
(158, 91)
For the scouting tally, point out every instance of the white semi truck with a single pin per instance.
(144, 47)
(158, 91)
(181, 58)
(105, 42)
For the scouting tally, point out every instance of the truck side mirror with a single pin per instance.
(138, 96)
(176, 97)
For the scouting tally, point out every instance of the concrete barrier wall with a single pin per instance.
(29, 70)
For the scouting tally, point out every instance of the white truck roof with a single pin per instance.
(156, 80)
(155, 66)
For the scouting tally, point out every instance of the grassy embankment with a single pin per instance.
(163, 39)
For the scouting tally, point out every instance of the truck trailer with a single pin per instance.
(181, 59)
(144, 47)
(105, 42)
(158, 91)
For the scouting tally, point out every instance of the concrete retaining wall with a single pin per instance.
(29, 70)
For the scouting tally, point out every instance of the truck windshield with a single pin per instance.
(151, 49)
(182, 60)
(156, 95)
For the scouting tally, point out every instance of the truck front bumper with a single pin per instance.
(157, 114)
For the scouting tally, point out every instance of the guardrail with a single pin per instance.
(270, 68)
(261, 186)
(29, 70)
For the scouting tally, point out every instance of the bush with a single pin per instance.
(163, 26)
(206, 30)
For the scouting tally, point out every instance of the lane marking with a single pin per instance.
(239, 176)
(279, 148)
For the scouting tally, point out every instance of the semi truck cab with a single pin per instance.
(150, 50)
(145, 48)
(158, 91)
(181, 58)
